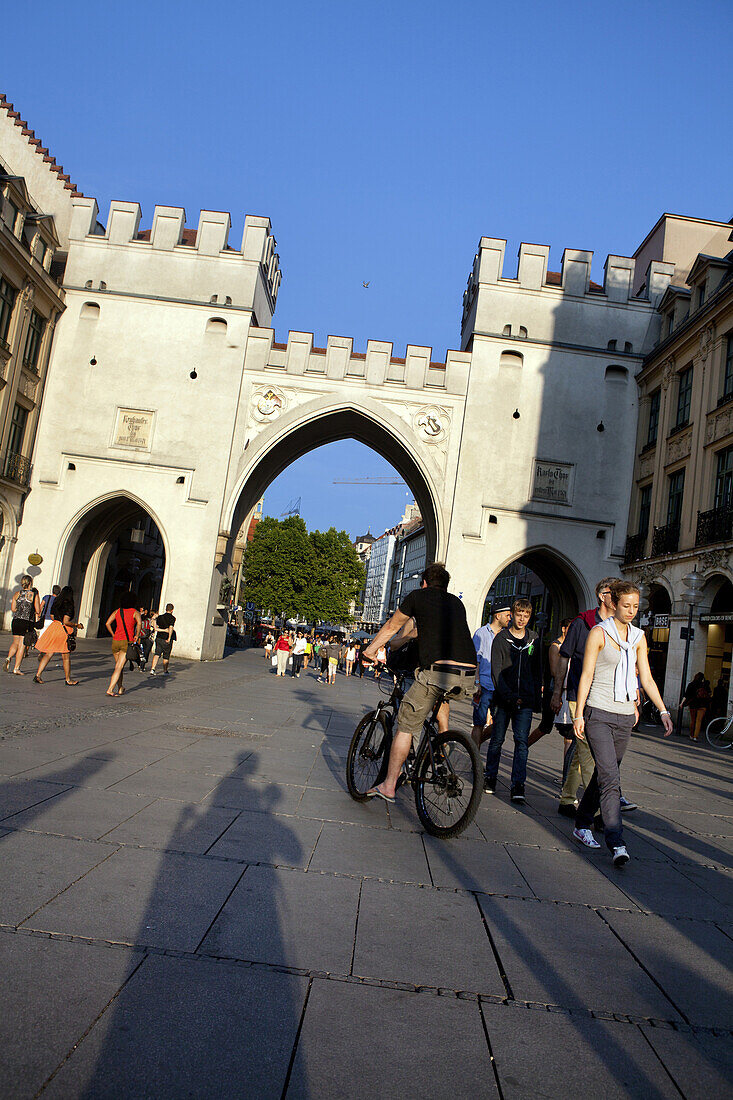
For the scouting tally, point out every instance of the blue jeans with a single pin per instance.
(521, 721)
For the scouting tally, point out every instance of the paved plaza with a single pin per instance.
(193, 906)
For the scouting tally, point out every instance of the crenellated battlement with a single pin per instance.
(339, 362)
(157, 260)
(572, 280)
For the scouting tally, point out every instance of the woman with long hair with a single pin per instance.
(604, 713)
(124, 626)
(26, 608)
(282, 649)
(55, 638)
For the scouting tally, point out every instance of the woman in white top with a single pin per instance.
(607, 694)
(350, 656)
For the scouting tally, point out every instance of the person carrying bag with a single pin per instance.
(121, 625)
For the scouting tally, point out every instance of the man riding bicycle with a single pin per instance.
(447, 662)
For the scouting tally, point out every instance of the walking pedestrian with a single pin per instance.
(515, 669)
(350, 657)
(47, 602)
(697, 698)
(604, 714)
(298, 653)
(26, 608)
(124, 626)
(308, 653)
(165, 636)
(282, 649)
(333, 658)
(483, 688)
(269, 644)
(323, 651)
(60, 636)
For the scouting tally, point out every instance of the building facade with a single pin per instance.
(507, 444)
(379, 571)
(681, 517)
(410, 559)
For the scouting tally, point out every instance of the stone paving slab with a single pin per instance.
(143, 897)
(339, 806)
(474, 865)
(440, 1038)
(690, 960)
(99, 768)
(377, 853)
(257, 795)
(576, 1056)
(159, 781)
(205, 1029)
(565, 955)
(51, 992)
(700, 1064)
(269, 838)
(665, 889)
(20, 794)
(451, 950)
(80, 812)
(288, 918)
(174, 826)
(34, 868)
(561, 876)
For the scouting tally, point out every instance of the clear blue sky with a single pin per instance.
(383, 139)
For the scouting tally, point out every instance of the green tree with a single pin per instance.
(289, 572)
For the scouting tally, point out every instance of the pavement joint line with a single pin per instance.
(145, 951)
(68, 887)
(640, 964)
(294, 1051)
(492, 1059)
(219, 911)
(495, 951)
(356, 928)
(658, 1057)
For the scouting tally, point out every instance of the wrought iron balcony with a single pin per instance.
(635, 546)
(714, 526)
(17, 468)
(665, 540)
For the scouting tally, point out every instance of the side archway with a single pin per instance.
(548, 579)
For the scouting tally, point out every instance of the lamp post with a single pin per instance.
(692, 596)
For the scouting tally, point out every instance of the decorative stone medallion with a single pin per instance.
(431, 424)
(267, 404)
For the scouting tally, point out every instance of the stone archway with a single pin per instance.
(544, 576)
(109, 548)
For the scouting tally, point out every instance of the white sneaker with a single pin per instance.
(620, 856)
(585, 836)
(627, 804)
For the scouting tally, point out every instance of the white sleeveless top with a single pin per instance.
(601, 693)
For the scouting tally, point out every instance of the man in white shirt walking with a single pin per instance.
(483, 639)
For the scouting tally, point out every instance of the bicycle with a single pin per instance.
(719, 732)
(444, 771)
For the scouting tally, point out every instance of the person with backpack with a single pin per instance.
(124, 626)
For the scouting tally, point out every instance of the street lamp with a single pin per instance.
(692, 596)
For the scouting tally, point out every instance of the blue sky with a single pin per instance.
(383, 140)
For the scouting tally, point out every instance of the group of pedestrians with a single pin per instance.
(325, 654)
(598, 664)
(50, 627)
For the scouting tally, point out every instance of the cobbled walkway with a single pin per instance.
(192, 905)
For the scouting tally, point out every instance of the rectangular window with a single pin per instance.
(724, 479)
(10, 214)
(17, 430)
(701, 292)
(653, 428)
(645, 508)
(728, 369)
(41, 250)
(684, 397)
(674, 503)
(33, 340)
(7, 301)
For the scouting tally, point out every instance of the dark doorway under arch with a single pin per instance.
(542, 578)
(118, 549)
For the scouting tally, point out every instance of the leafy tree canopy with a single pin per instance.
(291, 572)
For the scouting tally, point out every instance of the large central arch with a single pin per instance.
(289, 441)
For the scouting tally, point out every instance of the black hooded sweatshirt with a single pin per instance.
(516, 670)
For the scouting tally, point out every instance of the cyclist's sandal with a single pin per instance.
(375, 793)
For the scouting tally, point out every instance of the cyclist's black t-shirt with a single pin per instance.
(442, 629)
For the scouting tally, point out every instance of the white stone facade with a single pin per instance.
(168, 391)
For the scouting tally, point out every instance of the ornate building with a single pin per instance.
(681, 516)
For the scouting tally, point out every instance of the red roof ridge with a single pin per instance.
(33, 140)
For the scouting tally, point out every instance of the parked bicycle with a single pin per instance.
(444, 772)
(720, 732)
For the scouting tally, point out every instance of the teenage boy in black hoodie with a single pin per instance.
(517, 673)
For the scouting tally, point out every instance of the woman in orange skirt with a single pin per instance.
(55, 638)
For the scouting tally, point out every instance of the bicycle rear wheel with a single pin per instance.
(448, 785)
(720, 733)
(366, 762)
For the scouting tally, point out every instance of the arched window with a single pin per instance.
(507, 331)
(217, 325)
(628, 346)
(522, 332)
(615, 373)
(90, 309)
(511, 359)
(611, 346)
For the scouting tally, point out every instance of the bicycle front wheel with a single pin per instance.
(448, 784)
(720, 733)
(366, 762)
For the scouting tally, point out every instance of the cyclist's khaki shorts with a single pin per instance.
(419, 699)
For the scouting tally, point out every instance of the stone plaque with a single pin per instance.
(553, 482)
(134, 429)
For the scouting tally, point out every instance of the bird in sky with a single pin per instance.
(365, 285)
